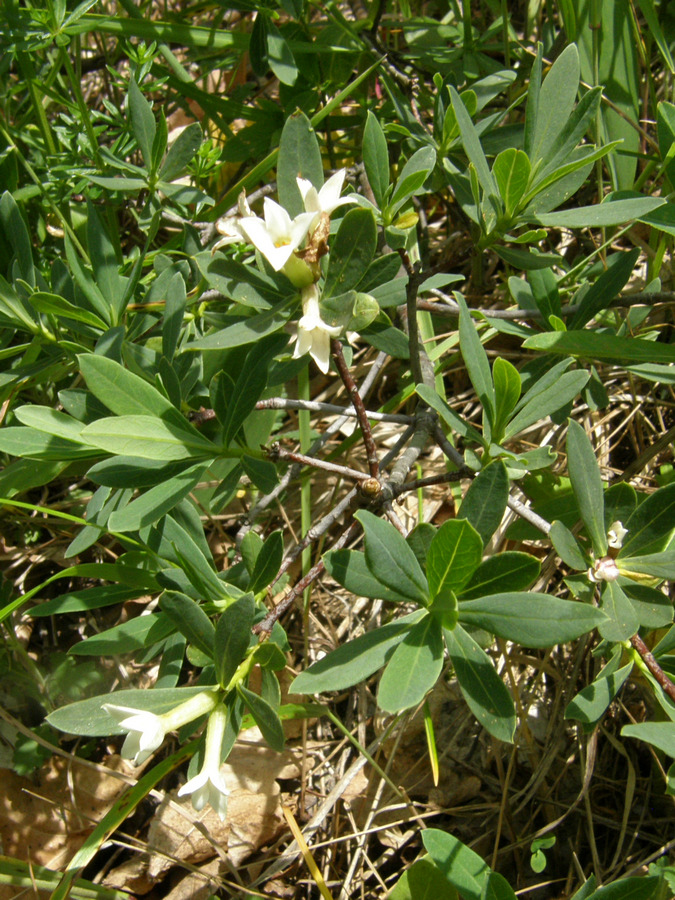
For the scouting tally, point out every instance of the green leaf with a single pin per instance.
(554, 104)
(247, 331)
(432, 399)
(601, 293)
(590, 704)
(181, 152)
(174, 312)
(498, 888)
(51, 421)
(351, 252)
(280, 56)
(587, 485)
(484, 691)
(596, 345)
(390, 559)
(507, 571)
(658, 734)
(464, 869)
(266, 718)
(638, 888)
(87, 599)
(574, 129)
(653, 520)
(348, 568)
(299, 155)
(55, 305)
(142, 122)
(507, 387)
(88, 718)
(376, 157)
(531, 619)
(414, 667)
(422, 881)
(567, 547)
(124, 393)
(545, 402)
(104, 262)
(622, 621)
(128, 637)
(657, 565)
(485, 502)
(262, 473)
(472, 145)
(34, 444)
(411, 180)
(156, 502)
(267, 563)
(250, 384)
(602, 215)
(511, 171)
(454, 554)
(190, 619)
(476, 361)
(232, 637)
(354, 661)
(147, 437)
(652, 607)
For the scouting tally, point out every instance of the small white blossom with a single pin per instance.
(278, 235)
(230, 226)
(616, 534)
(314, 334)
(209, 785)
(147, 730)
(604, 569)
(325, 200)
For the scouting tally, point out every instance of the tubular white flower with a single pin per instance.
(278, 235)
(209, 785)
(230, 226)
(146, 730)
(325, 200)
(313, 333)
(604, 569)
(616, 534)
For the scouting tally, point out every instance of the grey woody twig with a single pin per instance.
(331, 409)
(277, 452)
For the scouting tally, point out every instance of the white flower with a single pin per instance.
(209, 785)
(313, 333)
(327, 199)
(279, 235)
(604, 569)
(230, 226)
(616, 534)
(146, 730)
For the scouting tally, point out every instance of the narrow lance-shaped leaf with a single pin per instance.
(485, 502)
(483, 689)
(453, 556)
(232, 637)
(376, 157)
(190, 619)
(354, 661)
(531, 619)
(390, 559)
(587, 485)
(414, 668)
(476, 361)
